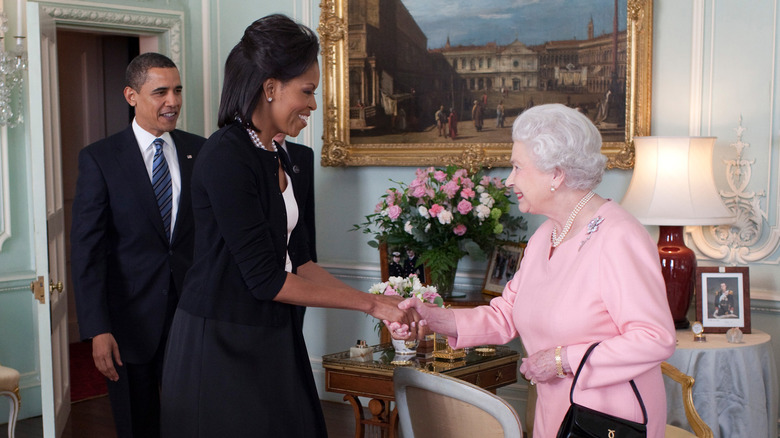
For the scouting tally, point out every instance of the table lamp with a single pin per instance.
(673, 186)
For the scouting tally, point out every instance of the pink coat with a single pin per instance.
(600, 286)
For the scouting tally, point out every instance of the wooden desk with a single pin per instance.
(374, 380)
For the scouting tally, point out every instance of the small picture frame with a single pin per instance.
(504, 262)
(723, 298)
(399, 261)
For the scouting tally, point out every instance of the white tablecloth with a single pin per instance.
(736, 389)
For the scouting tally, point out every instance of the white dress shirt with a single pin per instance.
(146, 147)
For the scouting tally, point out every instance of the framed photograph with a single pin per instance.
(397, 261)
(407, 85)
(723, 298)
(504, 262)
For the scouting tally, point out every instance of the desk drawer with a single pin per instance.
(493, 377)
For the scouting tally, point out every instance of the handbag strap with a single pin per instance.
(577, 375)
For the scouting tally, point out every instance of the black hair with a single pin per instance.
(136, 73)
(272, 47)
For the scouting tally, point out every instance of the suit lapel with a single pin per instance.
(132, 163)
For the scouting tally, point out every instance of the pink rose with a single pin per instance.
(379, 207)
(440, 176)
(464, 207)
(435, 210)
(498, 183)
(418, 192)
(450, 189)
(485, 181)
(459, 229)
(429, 295)
(394, 211)
(390, 291)
(467, 182)
(460, 173)
(467, 193)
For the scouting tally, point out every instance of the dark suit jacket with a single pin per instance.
(123, 267)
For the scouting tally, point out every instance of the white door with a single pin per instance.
(49, 231)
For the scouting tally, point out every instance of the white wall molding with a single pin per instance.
(751, 239)
(5, 190)
(166, 25)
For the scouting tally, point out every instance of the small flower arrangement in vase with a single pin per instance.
(406, 287)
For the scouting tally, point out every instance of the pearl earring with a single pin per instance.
(552, 188)
(270, 99)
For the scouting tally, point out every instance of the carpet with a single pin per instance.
(86, 382)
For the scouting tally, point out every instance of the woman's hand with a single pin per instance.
(433, 318)
(540, 367)
(398, 321)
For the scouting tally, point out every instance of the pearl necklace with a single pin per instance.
(255, 139)
(557, 239)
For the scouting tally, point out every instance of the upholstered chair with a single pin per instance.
(436, 405)
(9, 387)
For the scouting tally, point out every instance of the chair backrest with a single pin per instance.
(433, 404)
(698, 425)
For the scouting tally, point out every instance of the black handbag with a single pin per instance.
(583, 422)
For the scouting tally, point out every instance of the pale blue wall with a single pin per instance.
(737, 81)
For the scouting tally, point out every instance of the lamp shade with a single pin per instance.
(673, 183)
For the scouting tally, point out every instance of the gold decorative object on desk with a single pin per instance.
(442, 349)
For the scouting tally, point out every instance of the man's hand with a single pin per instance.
(104, 352)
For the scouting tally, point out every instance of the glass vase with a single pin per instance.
(444, 281)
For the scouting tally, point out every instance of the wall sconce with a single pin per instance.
(673, 186)
(12, 67)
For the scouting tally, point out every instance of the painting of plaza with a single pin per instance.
(430, 71)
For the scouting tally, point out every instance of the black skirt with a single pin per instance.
(236, 380)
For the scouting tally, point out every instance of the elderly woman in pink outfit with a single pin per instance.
(590, 273)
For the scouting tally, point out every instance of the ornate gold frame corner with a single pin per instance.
(338, 151)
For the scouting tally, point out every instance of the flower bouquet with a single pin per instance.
(444, 215)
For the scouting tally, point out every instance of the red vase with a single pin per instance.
(678, 265)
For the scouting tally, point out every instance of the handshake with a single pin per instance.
(412, 318)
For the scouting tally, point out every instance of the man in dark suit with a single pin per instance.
(132, 241)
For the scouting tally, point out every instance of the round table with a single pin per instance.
(736, 390)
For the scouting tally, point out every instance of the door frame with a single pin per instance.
(159, 31)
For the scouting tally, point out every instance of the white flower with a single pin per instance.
(480, 189)
(408, 227)
(482, 211)
(487, 200)
(445, 217)
(424, 211)
(383, 213)
(378, 289)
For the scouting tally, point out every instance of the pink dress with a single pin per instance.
(605, 286)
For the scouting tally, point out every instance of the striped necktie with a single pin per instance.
(161, 182)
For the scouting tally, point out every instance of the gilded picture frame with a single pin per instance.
(339, 150)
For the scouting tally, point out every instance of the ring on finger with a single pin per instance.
(533, 382)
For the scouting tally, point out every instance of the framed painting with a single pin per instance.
(407, 85)
(504, 262)
(723, 298)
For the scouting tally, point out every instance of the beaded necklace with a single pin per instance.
(255, 139)
(555, 237)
